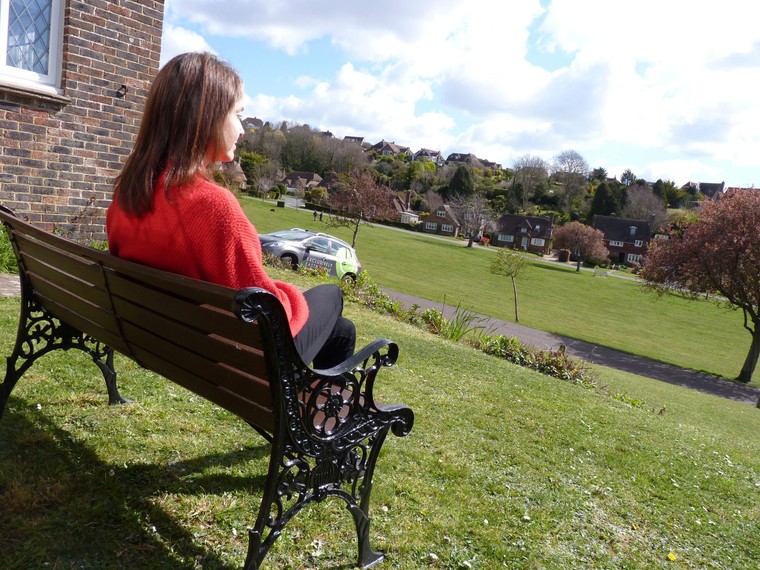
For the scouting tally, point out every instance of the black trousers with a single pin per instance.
(327, 338)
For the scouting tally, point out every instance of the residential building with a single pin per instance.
(711, 190)
(252, 124)
(625, 239)
(234, 175)
(429, 155)
(528, 233)
(442, 221)
(73, 81)
(469, 159)
(301, 180)
(405, 213)
(385, 148)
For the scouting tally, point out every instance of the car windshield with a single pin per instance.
(292, 235)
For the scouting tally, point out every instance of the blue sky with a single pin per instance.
(668, 89)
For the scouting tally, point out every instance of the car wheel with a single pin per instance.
(290, 258)
(348, 279)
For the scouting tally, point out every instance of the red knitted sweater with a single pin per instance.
(200, 232)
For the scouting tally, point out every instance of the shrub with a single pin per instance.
(7, 257)
(434, 320)
(554, 363)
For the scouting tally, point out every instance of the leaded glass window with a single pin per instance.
(30, 43)
(29, 35)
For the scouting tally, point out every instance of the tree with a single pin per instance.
(258, 171)
(461, 183)
(473, 214)
(673, 196)
(531, 173)
(599, 174)
(717, 254)
(642, 204)
(586, 243)
(605, 201)
(359, 200)
(570, 170)
(628, 177)
(510, 264)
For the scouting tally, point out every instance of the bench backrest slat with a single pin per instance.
(211, 370)
(250, 410)
(77, 274)
(77, 315)
(201, 341)
(178, 327)
(159, 298)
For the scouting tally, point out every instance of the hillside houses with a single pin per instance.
(442, 221)
(528, 233)
(385, 148)
(625, 239)
(431, 155)
(302, 180)
(711, 190)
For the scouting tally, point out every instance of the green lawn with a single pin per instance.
(612, 312)
(505, 468)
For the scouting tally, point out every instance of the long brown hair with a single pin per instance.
(182, 125)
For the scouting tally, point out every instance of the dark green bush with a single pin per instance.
(7, 257)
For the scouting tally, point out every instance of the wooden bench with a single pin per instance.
(231, 347)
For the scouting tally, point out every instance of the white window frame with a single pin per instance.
(447, 228)
(615, 243)
(539, 242)
(431, 226)
(638, 243)
(441, 213)
(633, 258)
(21, 78)
(507, 238)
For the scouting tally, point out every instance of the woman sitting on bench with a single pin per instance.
(168, 213)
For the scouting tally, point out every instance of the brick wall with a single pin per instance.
(59, 155)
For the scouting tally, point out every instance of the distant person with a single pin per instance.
(315, 215)
(168, 213)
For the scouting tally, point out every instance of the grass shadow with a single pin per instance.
(61, 506)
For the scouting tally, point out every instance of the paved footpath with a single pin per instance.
(9, 286)
(601, 355)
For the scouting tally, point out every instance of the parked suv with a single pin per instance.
(312, 249)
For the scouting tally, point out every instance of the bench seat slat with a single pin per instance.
(252, 411)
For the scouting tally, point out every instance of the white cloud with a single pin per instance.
(177, 40)
(676, 76)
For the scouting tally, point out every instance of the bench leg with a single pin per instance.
(102, 356)
(367, 556)
(295, 480)
(40, 333)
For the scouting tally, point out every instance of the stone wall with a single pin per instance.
(60, 154)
